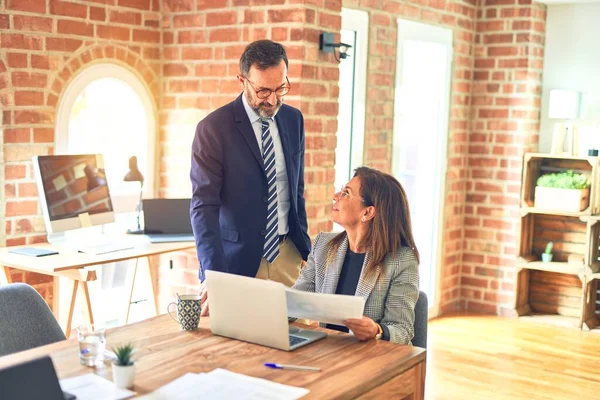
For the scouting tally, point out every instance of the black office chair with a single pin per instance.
(420, 338)
(25, 320)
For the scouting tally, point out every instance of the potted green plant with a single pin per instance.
(123, 368)
(547, 254)
(564, 191)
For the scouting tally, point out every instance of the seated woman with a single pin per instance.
(374, 257)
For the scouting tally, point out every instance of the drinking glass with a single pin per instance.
(92, 343)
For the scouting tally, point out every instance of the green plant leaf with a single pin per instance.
(124, 353)
(564, 180)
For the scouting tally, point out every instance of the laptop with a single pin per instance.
(167, 220)
(32, 380)
(253, 310)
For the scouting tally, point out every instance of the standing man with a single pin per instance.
(247, 207)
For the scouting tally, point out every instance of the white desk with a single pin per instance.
(77, 269)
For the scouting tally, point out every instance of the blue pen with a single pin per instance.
(291, 367)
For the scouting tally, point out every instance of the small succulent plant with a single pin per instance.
(549, 248)
(124, 353)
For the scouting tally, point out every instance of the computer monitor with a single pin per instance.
(73, 191)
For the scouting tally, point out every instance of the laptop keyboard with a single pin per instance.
(294, 340)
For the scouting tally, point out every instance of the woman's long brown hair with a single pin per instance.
(391, 227)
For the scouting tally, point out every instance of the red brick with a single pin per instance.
(14, 171)
(21, 207)
(29, 98)
(113, 32)
(62, 44)
(186, 37)
(34, 6)
(10, 190)
(197, 53)
(4, 21)
(221, 18)
(125, 17)
(187, 21)
(75, 28)
(139, 4)
(43, 135)
(17, 60)
(97, 14)
(178, 5)
(254, 17)
(146, 35)
(208, 4)
(225, 35)
(26, 79)
(34, 117)
(18, 135)
(33, 24)
(19, 41)
(68, 9)
(293, 15)
(15, 242)
(27, 189)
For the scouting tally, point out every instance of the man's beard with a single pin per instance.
(259, 105)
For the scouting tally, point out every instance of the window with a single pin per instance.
(107, 109)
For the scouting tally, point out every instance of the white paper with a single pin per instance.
(221, 384)
(324, 307)
(94, 387)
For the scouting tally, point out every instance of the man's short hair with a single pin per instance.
(262, 54)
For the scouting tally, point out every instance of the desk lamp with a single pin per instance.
(134, 175)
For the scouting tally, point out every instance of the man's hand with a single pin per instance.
(204, 300)
(302, 264)
(363, 328)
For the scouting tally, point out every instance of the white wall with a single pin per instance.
(572, 61)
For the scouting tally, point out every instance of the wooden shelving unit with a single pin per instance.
(559, 292)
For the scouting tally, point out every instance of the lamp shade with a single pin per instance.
(564, 104)
(134, 174)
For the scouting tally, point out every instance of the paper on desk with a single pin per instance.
(324, 307)
(94, 387)
(221, 384)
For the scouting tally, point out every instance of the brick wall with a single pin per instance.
(44, 44)
(186, 52)
(459, 16)
(202, 45)
(507, 81)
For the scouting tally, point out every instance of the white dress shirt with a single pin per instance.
(283, 191)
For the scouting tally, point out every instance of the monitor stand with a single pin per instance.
(93, 241)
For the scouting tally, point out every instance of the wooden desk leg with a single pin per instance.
(131, 287)
(88, 304)
(153, 270)
(71, 308)
(5, 277)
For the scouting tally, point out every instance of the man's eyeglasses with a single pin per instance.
(345, 193)
(265, 93)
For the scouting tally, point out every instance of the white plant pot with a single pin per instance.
(123, 376)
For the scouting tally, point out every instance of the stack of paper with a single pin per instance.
(324, 307)
(221, 384)
(93, 387)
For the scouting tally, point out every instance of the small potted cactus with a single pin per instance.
(123, 368)
(547, 254)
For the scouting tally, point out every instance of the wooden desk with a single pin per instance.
(349, 368)
(77, 269)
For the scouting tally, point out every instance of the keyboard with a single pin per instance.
(294, 340)
(105, 248)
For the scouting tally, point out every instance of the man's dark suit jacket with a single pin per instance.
(229, 189)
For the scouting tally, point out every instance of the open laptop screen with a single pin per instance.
(30, 381)
(167, 216)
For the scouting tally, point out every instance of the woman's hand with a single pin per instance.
(363, 328)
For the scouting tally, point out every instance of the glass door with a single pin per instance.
(419, 159)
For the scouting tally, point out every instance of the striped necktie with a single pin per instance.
(271, 246)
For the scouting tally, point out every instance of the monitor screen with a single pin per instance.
(70, 187)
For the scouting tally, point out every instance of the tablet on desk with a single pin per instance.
(33, 251)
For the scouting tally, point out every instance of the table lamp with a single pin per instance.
(134, 175)
(564, 105)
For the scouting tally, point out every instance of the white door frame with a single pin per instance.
(409, 30)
